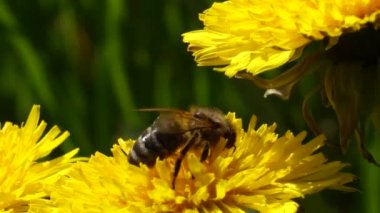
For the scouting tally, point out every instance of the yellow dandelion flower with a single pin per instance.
(261, 35)
(338, 40)
(265, 172)
(24, 174)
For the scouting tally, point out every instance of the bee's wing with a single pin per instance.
(177, 121)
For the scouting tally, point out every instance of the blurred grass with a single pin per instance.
(91, 64)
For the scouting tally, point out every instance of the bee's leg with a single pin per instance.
(234, 148)
(205, 151)
(195, 137)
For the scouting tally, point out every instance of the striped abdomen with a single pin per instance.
(154, 143)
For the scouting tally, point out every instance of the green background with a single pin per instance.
(91, 64)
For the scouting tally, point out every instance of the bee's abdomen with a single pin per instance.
(152, 144)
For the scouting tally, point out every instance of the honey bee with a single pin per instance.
(181, 130)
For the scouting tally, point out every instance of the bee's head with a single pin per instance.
(221, 127)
